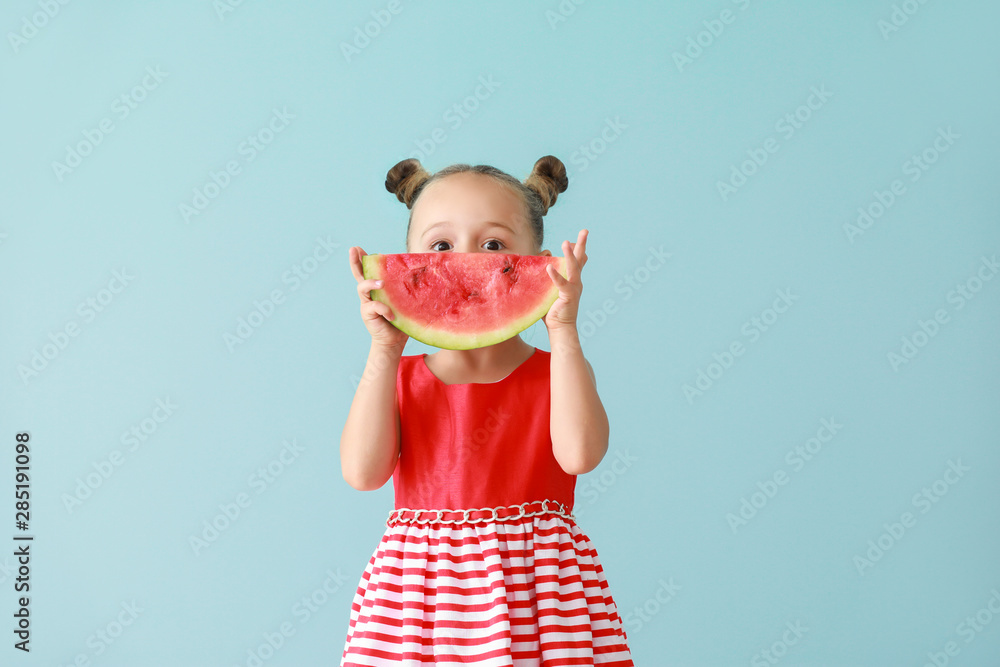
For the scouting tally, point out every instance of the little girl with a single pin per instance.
(482, 561)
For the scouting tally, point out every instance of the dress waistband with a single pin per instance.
(482, 515)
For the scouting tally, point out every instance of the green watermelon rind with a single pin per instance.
(447, 341)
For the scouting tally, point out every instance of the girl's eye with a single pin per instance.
(492, 244)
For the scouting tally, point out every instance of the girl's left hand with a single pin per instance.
(564, 310)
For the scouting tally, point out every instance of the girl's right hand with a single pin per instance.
(375, 314)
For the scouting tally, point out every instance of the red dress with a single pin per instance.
(502, 574)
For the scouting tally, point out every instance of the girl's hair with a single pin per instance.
(407, 179)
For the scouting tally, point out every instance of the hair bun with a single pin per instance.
(548, 179)
(404, 179)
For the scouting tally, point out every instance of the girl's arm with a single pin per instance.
(369, 444)
(578, 423)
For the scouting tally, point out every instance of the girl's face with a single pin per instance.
(469, 212)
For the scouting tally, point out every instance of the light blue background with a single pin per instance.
(660, 519)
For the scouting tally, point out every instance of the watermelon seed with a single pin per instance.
(416, 275)
(506, 269)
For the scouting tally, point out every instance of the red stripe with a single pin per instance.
(565, 616)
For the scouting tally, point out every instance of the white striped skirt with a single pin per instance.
(519, 593)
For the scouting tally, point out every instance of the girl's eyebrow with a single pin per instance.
(500, 224)
(431, 228)
(490, 223)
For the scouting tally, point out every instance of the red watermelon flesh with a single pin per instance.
(461, 301)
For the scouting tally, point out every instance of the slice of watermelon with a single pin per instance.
(461, 301)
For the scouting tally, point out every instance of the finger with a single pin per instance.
(581, 246)
(572, 266)
(385, 311)
(372, 310)
(360, 271)
(580, 249)
(355, 254)
(366, 286)
(557, 277)
(352, 260)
